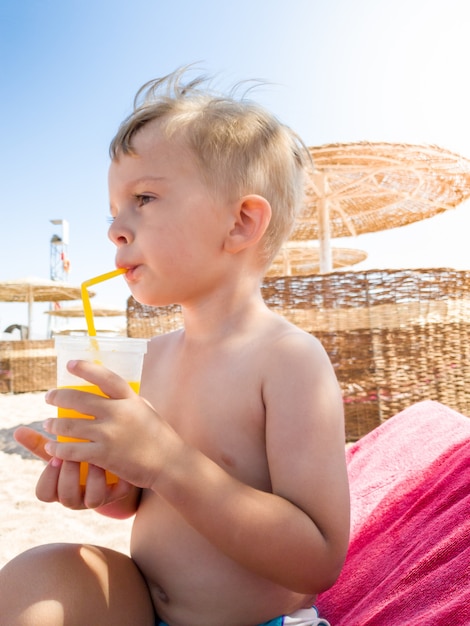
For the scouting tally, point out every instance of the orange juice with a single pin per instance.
(110, 478)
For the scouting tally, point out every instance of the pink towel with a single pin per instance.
(409, 556)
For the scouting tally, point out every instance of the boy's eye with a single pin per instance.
(143, 199)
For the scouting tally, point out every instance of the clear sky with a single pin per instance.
(338, 71)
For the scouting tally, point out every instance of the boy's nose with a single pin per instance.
(119, 236)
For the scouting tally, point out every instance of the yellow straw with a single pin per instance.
(86, 298)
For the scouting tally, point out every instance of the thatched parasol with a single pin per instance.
(366, 187)
(33, 289)
(78, 312)
(301, 259)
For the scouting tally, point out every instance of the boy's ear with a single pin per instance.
(251, 218)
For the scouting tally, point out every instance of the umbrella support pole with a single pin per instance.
(324, 237)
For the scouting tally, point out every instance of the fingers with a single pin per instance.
(69, 489)
(75, 451)
(77, 429)
(46, 487)
(32, 441)
(90, 402)
(96, 490)
(60, 482)
(110, 383)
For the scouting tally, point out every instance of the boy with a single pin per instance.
(232, 459)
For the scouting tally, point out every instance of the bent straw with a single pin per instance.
(86, 298)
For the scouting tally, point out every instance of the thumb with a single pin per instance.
(32, 441)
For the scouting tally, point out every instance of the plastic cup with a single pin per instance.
(122, 355)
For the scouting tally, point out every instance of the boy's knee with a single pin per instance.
(71, 584)
(44, 569)
(35, 585)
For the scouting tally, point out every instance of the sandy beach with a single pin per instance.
(24, 521)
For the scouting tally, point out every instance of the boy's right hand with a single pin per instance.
(60, 482)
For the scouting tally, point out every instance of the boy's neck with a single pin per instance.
(217, 318)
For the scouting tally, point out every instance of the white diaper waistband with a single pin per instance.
(305, 617)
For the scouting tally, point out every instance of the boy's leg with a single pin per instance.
(73, 585)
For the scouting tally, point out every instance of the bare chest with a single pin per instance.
(217, 408)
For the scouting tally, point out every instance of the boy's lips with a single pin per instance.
(130, 274)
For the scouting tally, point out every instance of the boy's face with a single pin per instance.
(168, 228)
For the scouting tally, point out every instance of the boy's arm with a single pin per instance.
(298, 535)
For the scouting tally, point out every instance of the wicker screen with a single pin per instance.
(394, 337)
(148, 321)
(27, 365)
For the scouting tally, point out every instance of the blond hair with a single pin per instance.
(240, 147)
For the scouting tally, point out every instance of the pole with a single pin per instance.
(324, 236)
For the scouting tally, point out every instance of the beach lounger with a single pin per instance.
(409, 556)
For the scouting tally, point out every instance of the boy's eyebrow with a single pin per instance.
(147, 179)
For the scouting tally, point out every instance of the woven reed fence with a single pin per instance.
(394, 337)
(27, 365)
(148, 321)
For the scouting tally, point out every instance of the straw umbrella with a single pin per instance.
(367, 187)
(303, 259)
(75, 312)
(33, 289)
(67, 312)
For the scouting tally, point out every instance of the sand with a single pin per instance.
(24, 521)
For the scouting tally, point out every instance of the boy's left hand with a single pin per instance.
(60, 480)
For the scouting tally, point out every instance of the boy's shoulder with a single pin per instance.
(283, 334)
(293, 353)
